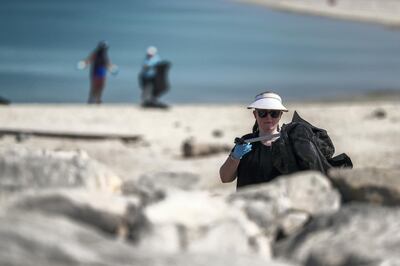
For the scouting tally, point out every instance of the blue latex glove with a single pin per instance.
(240, 150)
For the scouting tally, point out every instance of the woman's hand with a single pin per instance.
(81, 65)
(240, 150)
(114, 69)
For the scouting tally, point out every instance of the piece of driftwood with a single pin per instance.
(191, 148)
(24, 133)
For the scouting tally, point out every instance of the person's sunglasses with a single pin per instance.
(272, 113)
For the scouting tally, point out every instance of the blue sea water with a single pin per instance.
(221, 51)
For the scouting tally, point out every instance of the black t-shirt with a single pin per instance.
(256, 166)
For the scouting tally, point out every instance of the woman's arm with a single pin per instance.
(228, 170)
(88, 60)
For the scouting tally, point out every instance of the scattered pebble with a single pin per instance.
(217, 133)
(177, 124)
(21, 137)
(379, 113)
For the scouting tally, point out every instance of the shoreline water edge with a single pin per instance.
(371, 11)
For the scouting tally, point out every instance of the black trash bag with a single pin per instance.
(319, 135)
(4, 101)
(161, 83)
(303, 146)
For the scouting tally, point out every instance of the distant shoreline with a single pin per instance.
(382, 95)
(383, 12)
(368, 97)
(387, 96)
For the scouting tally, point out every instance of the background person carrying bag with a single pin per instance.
(153, 79)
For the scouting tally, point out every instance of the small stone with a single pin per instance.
(217, 133)
(379, 113)
(21, 137)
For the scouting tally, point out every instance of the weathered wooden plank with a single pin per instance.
(69, 135)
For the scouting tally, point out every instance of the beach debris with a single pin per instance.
(21, 137)
(22, 134)
(217, 133)
(191, 148)
(331, 2)
(379, 113)
(177, 124)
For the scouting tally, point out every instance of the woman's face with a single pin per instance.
(267, 120)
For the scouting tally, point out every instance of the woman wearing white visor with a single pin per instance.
(252, 163)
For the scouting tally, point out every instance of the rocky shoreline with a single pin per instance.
(110, 202)
(66, 209)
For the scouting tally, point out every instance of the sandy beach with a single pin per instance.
(367, 131)
(384, 12)
(119, 184)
